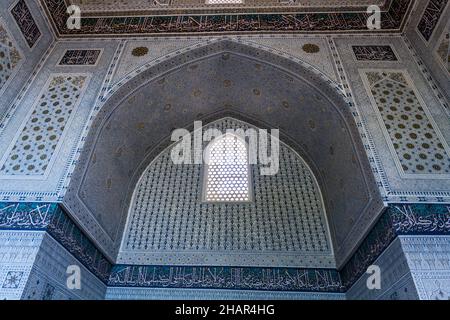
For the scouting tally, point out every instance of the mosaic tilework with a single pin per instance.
(443, 51)
(418, 144)
(26, 216)
(285, 224)
(38, 139)
(374, 53)
(18, 249)
(66, 232)
(48, 277)
(51, 218)
(397, 220)
(429, 261)
(91, 216)
(10, 57)
(420, 220)
(26, 23)
(431, 17)
(136, 293)
(396, 280)
(378, 239)
(80, 58)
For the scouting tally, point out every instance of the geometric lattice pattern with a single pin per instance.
(227, 170)
(12, 279)
(9, 56)
(37, 142)
(414, 137)
(286, 214)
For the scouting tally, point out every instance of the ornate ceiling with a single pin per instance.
(175, 17)
(120, 7)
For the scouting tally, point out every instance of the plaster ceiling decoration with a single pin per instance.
(10, 57)
(183, 89)
(174, 17)
(293, 233)
(120, 6)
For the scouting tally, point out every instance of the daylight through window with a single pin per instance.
(227, 170)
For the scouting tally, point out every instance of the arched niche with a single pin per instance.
(283, 223)
(207, 83)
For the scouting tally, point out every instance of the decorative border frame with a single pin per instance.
(445, 68)
(59, 60)
(20, 30)
(109, 84)
(350, 46)
(398, 219)
(403, 175)
(389, 196)
(22, 61)
(44, 176)
(427, 42)
(406, 6)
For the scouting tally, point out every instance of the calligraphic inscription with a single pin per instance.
(247, 278)
(431, 17)
(421, 219)
(51, 218)
(66, 232)
(378, 239)
(398, 219)
(26, 23)
(80, 58)
(29, 216)
(220, 22)
(374, 53)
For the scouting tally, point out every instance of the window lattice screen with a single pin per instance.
(227, 176)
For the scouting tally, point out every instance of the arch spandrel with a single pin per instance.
(207, 83)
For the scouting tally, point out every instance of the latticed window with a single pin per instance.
(227, 171)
